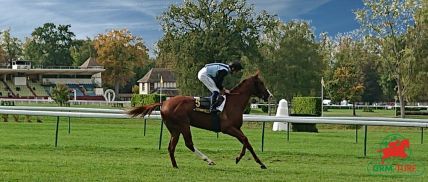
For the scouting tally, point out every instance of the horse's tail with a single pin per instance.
(143, 110)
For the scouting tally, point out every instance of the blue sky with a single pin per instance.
(89, 18)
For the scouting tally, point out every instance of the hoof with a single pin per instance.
(237, 160)
(263, 167)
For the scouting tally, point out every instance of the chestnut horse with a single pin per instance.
(178, 115)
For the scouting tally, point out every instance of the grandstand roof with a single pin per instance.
(90, 62)
(53, 71)
(154, 76)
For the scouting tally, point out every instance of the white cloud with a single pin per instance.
(91, 17)
(288, 8)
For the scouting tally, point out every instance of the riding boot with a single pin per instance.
(220, 100)
(214, 97)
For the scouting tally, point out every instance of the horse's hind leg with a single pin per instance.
(241, 154)
(171, 147)
(189, 144)
(244, 140)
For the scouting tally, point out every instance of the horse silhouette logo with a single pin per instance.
(395, 158)
(396, 149)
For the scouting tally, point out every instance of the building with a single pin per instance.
(151, 82)
(22, 80)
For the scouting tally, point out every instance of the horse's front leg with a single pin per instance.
(237, 133)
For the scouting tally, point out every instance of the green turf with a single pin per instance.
(116, 150)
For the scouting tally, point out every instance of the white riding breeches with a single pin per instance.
(207, 81)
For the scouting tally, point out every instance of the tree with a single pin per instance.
(292, 65)
(372, 89)
(387, 21)
(120, 53)
(60, 94)
(205, 31)
(11, 46)
(3, 60)
(347, 79)
(81, 50)
(50, 45)
(417, 37)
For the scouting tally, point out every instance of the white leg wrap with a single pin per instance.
(203, 156)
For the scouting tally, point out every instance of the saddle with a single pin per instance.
(202, 104)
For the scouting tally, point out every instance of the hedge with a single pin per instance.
(309, 106)
(138, 99)
(305, 106)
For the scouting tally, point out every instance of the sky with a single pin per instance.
(89, 18)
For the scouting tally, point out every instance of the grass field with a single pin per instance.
(116, 150)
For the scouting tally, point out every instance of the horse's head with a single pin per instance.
(259, 88)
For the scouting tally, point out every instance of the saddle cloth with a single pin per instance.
(202, 104)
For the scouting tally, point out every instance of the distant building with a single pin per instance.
(26, 81)
(151, 82)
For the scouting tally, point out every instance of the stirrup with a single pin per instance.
(213, 108)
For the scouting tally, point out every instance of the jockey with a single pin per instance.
(212, 77)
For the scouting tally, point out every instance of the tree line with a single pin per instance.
(384, 60)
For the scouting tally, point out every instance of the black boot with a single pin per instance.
(214, 97)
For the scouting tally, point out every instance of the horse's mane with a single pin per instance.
(234, 89)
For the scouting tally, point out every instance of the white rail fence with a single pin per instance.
(121, 114)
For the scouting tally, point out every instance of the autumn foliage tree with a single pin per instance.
(347, 79)
(120, 52)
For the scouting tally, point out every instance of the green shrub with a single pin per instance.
(310, 106)
(305, 106)
(138, 99)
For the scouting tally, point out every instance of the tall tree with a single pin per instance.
(120, 53)
(198, 32)
(347, 81)
(81, 50)
(417, 37)
(293, 65)
(11, 46)
(50, 45)
(387, 21)
(3, 60)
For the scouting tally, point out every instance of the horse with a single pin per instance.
(178, 115)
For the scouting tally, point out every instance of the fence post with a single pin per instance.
(69, 125)
(56, 131)
(288, 131)
(365, 140)
(145, 120)
(160, 137)
(263, 135)
(356, 133)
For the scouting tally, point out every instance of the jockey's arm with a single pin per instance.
(219, 79)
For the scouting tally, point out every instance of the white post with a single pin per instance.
(322, 96)
(75, 94)
(281, 111)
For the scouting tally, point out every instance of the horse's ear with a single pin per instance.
(257, 74)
